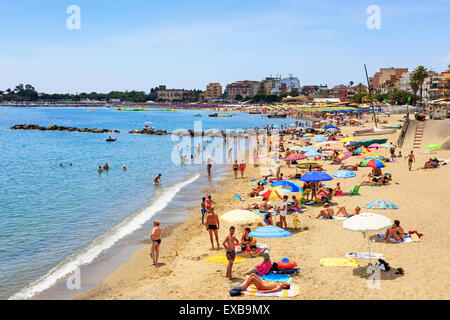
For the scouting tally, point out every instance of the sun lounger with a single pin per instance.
(339, 262)
(355, 191)
(293, 291)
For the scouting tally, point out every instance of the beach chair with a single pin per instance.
(355, 191)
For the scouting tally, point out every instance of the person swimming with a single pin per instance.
(157, 179)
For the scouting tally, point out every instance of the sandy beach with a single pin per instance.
(422, 197)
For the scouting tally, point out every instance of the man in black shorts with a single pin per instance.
(228, 244)
(213, 225)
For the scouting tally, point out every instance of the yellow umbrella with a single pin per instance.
(240, 217)
(273, 194)
(348, 140)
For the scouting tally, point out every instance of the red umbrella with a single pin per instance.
(295, 157)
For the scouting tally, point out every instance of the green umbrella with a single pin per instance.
(432, 146)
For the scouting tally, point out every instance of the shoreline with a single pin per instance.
(184, 275)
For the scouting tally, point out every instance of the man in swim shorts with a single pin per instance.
(212, 226)
(327, 213)
(411, 158)
(156, 241)
(230, 248)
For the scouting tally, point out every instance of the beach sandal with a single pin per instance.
(400, 271)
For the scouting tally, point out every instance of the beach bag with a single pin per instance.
(382, 265)
(274, 267)
(236, 291)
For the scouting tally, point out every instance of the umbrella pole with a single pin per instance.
(368, 241)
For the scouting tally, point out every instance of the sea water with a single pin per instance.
(54, 219)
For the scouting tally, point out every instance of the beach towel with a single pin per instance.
(340, 194)
(334, 218)
(364, 255)
(415, 238)
(221, 258)
(406, 239)
(338, 262)
(277, 277)
(293, 291)
(237, 196)
(263, 213)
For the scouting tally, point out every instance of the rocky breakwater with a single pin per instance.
(60, 128)
(150, 131)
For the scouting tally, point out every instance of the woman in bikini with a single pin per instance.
(264, 286)
(235, 169)
(156, 241)
(246, 240)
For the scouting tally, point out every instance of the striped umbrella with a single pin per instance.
(374, 156)
(381, 204)
(351, 143)
(373, 163)
(270, 232)
(288, 184)
(344, 156)
(295, 157)
(361, 150)
(273, 194)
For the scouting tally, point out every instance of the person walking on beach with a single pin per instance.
(157, 179)
(242, 167)
(283, 212)
(411, 158)
(203, 209)
(235, 169)
(213, 225)
(230, 248)
(209, 165)
(156, 241)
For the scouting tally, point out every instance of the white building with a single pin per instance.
(287, 85)
(404, 82)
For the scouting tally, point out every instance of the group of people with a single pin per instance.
(106, 168)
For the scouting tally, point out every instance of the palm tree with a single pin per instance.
(351, 83)
(360, 89)
(420, 74)
(414, 84)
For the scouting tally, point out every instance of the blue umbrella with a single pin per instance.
(320, 139)
(291, 185)
(330, 126)
(307, 149)
(351, 143)
(344, 174)
(270, 232)
(315, 176)
(312, 154)
(331, 130)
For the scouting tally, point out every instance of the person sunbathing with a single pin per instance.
(255, 191)
(264, 286)
(376, 172)
(263, 268)
(296, 206)
(430, 164)
(396, 232)
(342, 211)
(327, 213)
(337, 190)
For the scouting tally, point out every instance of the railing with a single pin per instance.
(402, 135)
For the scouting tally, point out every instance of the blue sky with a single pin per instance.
(137, 44)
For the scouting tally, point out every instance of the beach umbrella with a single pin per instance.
(361, 150)
(344, 174)
(273, 194)
(305, 139)
(296, 148)
(295, 157)
(270, 232)
(367, 222)
(312, 154)
(344, 156)
(375, 145)
(325, 143)
(320, 139)
(331, 130)
(307, 149)
(373, 163)
(374, 156)
(330, 126)
(316, 176)
(348, 139)
(387, 145)
(428, 151)
(287, 184)
(381, 204)
(332, 148)
(240, 217)
(351, 143)
(432, 146)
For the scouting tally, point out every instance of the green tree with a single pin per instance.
(360, 88)
(351, 83)
(238, 97)
(414, 84)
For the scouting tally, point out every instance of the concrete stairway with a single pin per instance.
(419, 134)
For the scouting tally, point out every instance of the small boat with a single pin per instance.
(224, 115)
(111, 139)
(254, 112)
(197, 115)
(214, 115)
(392, 127)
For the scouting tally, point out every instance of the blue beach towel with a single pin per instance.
(263, 213)
(277, 277)
(334, 218)
(237, 196)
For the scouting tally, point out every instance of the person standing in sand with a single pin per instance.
(235, 169)
(283, 212)
(156, 241)
(229, 245)
(213, 225)
(242, 167)
(203, 209)
(411, 158)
